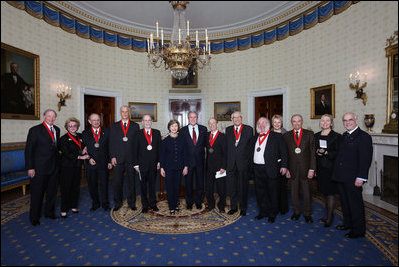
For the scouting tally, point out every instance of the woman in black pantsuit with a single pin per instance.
(73, 153)
(327, 144)
(174, 164)
(277, 123)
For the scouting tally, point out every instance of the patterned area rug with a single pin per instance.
(182, 222)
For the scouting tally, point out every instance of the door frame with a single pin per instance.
(99, 92)
(267, 92)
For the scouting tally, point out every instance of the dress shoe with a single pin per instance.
(189, 206)
(342, 227)
(209, 208)
(231, 212)
(93, 208)
(64, 215)
(116, 208)
(75, 210)
(323, 219)
(308, 219)
(295, 217)
(145, 210)
(243, 213)
(198, 206)
(54, 217)
(155, 208)
(35, 222)
(106, 208)
(221, 210)
(271, 219)
(133, 208)
(352, 235)
(172, 212)
(260, 216)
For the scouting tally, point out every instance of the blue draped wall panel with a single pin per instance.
(306, 20)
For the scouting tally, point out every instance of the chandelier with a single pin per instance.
(178, 55)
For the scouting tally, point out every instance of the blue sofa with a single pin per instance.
(13, 173)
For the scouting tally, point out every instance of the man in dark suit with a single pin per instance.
(148, 151)
(238, 138)
(216, 161)
(96, 139)
(323, 107)
(12, 88)
(41, 161)
(302, 163)
(351, 172)
(122, 150)
(195, 135)
(269, 152)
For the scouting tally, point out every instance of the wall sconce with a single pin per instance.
(358, 82)
(63, 92)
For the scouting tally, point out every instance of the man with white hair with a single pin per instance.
(238, 137)
(270, 159)
(351, 172)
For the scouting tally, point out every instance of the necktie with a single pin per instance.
(237, 130)
(194, 137)
(211, 136)
(148, 132)
(52, 132)
(261, 135)
(125, 124)
(297, 135)
(96, 132)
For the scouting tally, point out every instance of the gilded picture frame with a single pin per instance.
(190, 81)
(20, 88)
(223, 110)
(138, 109)
(319, 107)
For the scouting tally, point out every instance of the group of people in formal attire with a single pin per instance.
(206, 160)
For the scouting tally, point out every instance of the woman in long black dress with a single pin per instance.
(74, 153)
(327, 144)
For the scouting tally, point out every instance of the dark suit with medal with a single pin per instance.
(41, 154)
(353, 161)
(267, 171)
(196, 156)
(147, 159)
(238, 165)
(71, 170)
(216, 159)
(97, 175)
(301, 160)
(123, 148)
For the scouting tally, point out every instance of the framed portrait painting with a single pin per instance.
(223, 110)
(322, 101)
(19, 84)
(190, 81)
(138, 110)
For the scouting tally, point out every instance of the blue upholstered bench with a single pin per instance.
(13, 173)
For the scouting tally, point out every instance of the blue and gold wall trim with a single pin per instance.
(71, 24)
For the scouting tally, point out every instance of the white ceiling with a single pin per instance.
(216, 16)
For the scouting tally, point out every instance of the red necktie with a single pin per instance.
(194, 137)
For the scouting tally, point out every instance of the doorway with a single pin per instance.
(267, 106)
(104, 106)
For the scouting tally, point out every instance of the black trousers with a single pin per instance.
(283, 200)
(173, 180)
(198, 172)
(267, 191)
(148, 177)
(40, 185)
(220, 189)
(118, 184)
(352, 207)
(70, 187)
(239, 194)
(97, 182)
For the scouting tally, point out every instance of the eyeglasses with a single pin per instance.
(348, 120)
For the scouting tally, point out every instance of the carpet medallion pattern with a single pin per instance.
(182, 222)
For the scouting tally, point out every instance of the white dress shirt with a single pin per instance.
(258, 156)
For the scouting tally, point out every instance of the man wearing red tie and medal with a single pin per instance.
(216, 161)
(238, 138)
(302, 163)
(123, 150)
(148, 149)
(41, 161)
(96, 139)
(270, 159)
